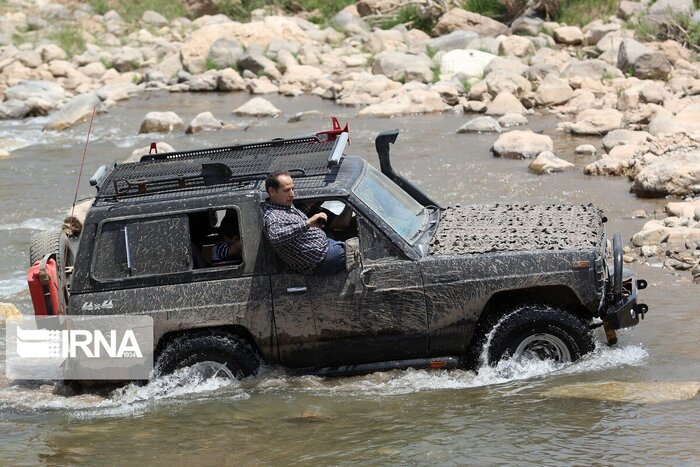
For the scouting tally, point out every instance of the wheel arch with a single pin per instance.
(236, 330)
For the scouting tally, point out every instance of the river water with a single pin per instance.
(630, 404)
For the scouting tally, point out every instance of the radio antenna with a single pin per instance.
(82, 163)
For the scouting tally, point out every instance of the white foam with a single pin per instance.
(13, 285)
(34, 223)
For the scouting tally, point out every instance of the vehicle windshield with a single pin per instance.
(396, 207)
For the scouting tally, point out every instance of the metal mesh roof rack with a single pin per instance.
(233, 165)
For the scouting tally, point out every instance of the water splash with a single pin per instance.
(35, 223)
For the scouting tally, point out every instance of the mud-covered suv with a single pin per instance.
(424, 287)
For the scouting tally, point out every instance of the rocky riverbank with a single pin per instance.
(641, 98)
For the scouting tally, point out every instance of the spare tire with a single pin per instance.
(51, 242)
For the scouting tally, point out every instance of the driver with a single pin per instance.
(295, 237)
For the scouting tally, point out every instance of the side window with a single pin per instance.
(215, 238)
(374, 245)
(142, 247)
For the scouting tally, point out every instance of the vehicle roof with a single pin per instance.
(318, 167)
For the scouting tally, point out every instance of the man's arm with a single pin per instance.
(281, 231)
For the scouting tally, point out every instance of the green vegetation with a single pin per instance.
(323, 10)
(467, 86)
(408, 16)
(582, 12)
(132, 10)
(436, 74)
(69, 39)
(492, 8)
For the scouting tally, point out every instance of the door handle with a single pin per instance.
(365, 277)
(296, 289)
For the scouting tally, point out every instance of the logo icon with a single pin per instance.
(38, 343)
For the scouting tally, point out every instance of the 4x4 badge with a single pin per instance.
(106, 305)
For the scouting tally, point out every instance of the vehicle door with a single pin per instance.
(372, 313)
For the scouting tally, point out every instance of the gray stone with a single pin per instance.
(480, 125)
(653, 66)
(127, 59)
(628, 9)
(153, 18)
(205, 121)
(13, 109)
(206, 82)
(224, 53)
(258, 64)
(586, 149)
(621, 137)
(505, 103)
(526, 25)
(76, 110)
(399, 66)
(512, 120)
(350, 23)
(161, 122)
(510, 65)
(568, 35)
(594, 69)
(230, 80)
(597, 122)
(522, 144)
(553, 91)
(258, 107)
(546, 162)
(451, 41)
(45, 89)
(31, 59)
(677, 175)
(664, 11)
(628, 53)
(458, 19)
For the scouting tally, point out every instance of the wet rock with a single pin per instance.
(9, 311)
(677, 174)
(653, 233)
(505, 103)
(621, 137)
(76, 110)
(458, 19)
(44, 89)
(546, 162)
(649, 251)
(407, 103)
(464, 64)
(299, 116)
(553, 91)
(452, 41)
(13, 109)
(258, 107)
(568, 35)
(136, 154)
(224, 53)
(629, 392)
(518, 144)
(161, 122)
(480, 125)
(262, 85)
(586, 149)
(403, 67)
(229, 80)
(516, 46)
(596, 122)
(205, 121)
(606, 166)
(512, 120)
(153, 18)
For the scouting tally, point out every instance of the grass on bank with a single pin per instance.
(132, 10)
(582, 12)
(69, 39)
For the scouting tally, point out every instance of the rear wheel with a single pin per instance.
(539, 332)
(210, 354)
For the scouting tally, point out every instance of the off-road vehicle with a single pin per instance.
(425, 286)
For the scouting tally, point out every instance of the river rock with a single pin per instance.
(517, 46)
(127, 59)
(75, 111)
(596, 122)
(117, 91)
(464, 64)
(652, 233)
(504, 81)
(628, 9)
(512, 119)
(262, 85)
(403, 67)
(503, 64)
(505, 103)
(9, 311)
(161, 122)
(685, 121)
(652, 66)
(258, 107)
(594, 33)
(628, 53)
(373, 7)
(480, 125)
(518, 144)
(258, 64)
(229, 80)
(605, 166)
(624, 152)
(13, 109)
(407, 103)
(553, 91)
(586, 150)
(683, 209)
(594, 69)
(622, 136)
(154, 19)
(452, 41)
(546, 162)
(205, 121)
(568, 35)
(135, 156)
(224, 53)
(206, 82)
(366, 88)
(677, 174)
(458, 19)
(44, 89)
(665, 11)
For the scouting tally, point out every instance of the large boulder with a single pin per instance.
(568, 35)
(480, 125)
(546, 162)
(685, 121)
(642, 61)
(553, 91)
(406, 103)
(458, 19)
(653, 233)
(677, 175)
(404, 67)
(464, 64)
(75, 111)
(505, 103)
(258, 107)
(622, 137)
(47, 90)
(596, 122)
(594, 69)
(365, 88)
(303, 76)
(259, 64)
(517, 46)
(666, 11)
(500, 81)
(518, 144)
(205, 121)
(224, 53)
(452, 41)
(349, 21)
(161, 122)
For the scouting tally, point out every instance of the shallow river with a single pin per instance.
(625, 405)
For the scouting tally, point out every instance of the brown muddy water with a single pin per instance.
(631, 404)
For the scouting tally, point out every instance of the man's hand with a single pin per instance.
(317, 220)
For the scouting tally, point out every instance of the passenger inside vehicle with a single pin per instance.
(212, 245)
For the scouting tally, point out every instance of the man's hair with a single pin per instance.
(272, 180)
(229, 225)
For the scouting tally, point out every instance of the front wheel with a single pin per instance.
(541, 333)
(211, 354)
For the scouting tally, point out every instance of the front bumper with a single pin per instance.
(626, 312)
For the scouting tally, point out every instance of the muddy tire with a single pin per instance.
(541, 332)
(51, 242)
(212, 349)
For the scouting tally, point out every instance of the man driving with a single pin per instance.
(295, 237)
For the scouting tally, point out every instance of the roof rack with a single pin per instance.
(237, 165)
